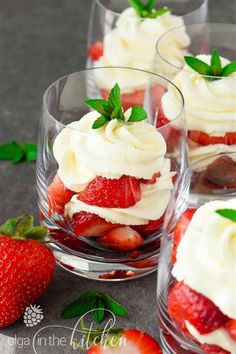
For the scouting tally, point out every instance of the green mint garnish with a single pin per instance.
(112, 109)
(147, 10)
(211, 72)
(96, 301)
(16, 152)
(23, 228)
(227, 213)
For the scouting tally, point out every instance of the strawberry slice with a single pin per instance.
(231, 328)
(151, 227)
(180, 229)
(170, 134)
(122, 238)
(136, 98)
(222, 172)
(58, 196)
(88, 224)
(204, 139)
(213, 349)
(151, 180)
(95, 51)
(112, 193)
(132, 341)
(185, 304)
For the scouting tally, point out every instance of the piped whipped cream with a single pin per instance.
(218, 337)
(206, 256)
(210, 106)
(132, 43)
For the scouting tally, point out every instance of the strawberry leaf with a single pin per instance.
(25, 224)
(9, 227)
(100, 122)
(11, 151)
(227, 213)
(30, 152)
(229, 69)
(137, 114)
(215, 63)
(198, 65)
(36, 233)
(113, 305)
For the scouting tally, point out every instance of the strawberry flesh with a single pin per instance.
(185, 304)
(122, 238)
(151, 227)
(231, 328)
(95, 52)
(213, 349)
(204, 139)
(112, 193)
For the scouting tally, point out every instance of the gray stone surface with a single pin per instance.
(41, 40)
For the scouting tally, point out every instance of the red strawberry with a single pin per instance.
(151, 227)
(131, 341)
(152, 180)
(204, 139)
(95, 51)
(222, 172)
(180, 229)
(170, 134)
(58, 196)
(112, 193)
(137, 97)
(185, 304)
(26, 267)
(213, 349)
(161, 118)
(88, 224)
(122, 238)
(117, 274)
(231, 328)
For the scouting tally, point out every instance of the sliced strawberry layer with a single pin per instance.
(180, 229)
(151, 227)
(170, 134)
(122, 239)
(132, 341)
(117, 274)
(58, 196)
(222, 172)
(151, 180)
(88, 225)
(185, 304)
(95, 52)
(112, 193)
(136, 98)
(230, 326)
(213, 349)
(204, 139)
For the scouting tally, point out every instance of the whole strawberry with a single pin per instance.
(26, 267)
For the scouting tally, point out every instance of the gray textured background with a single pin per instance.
(40, 41)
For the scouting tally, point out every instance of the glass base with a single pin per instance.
(103, 271)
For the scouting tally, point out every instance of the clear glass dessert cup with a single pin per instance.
(133, 42)
(75, 160)
(174, 335)
(210, 107)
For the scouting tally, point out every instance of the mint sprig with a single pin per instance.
(227, 213)
(96, 301)
(16, 152)
(112, 109)
(147, 10)
(211, 72)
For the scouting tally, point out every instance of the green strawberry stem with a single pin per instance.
(211, 72)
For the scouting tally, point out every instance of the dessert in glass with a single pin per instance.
(196, 275)
(124, 33)
(105, 175)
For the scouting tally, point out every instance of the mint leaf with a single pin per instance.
(227, 213)
(137, 5)
(137, 114)
(229, 69)
(98, 310)
(159, 12)
(99, 122)
(113, 305)
(100, 105)
(150, 5)
(30, 152)
(80, 306)
(198, 65)
(114, 98)
(11, 151)
(215, 63)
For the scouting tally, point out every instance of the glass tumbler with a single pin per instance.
(117, 36)
(186, 288)
(103, 192)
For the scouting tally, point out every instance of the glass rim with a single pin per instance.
(99, 3)
(186, 26)
(46, 92)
